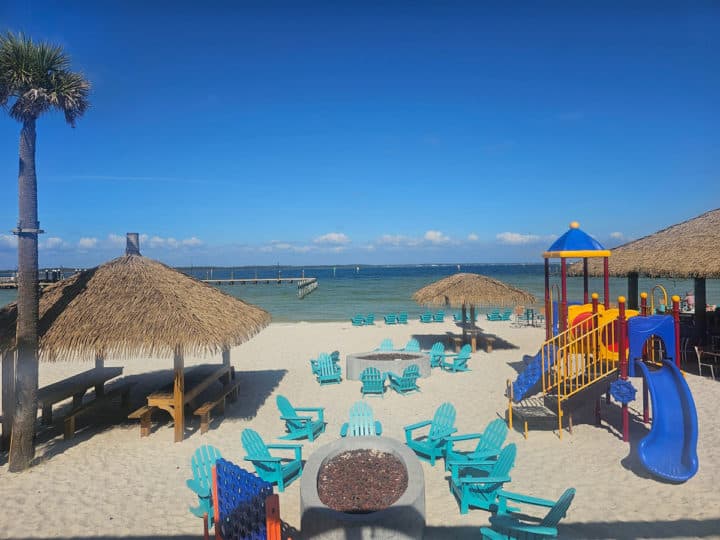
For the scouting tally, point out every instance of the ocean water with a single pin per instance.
(344, 291)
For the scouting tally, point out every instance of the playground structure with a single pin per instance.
(592, 349)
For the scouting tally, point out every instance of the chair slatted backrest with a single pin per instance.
(558, 511)
(426, 317)
(361, 421)
(505, 461)
(410, 374)
(287, 410)
(201, 463)
(412, 346)
(443, 421)
(439, 316)
(437, 353)
(402, 317)
(254, 445)
(494, 435)
(390, 318)
(370, 375)
(326, 366)
(358, 320)
(465, 351)
(370, 319)
(386, 345)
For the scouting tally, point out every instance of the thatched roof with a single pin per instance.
(134, 306)
(472, 289)
(687, 250)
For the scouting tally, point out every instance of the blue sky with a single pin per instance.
(244, 133)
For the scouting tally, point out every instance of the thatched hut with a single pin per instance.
(134, 306)
(685, 250)
(474, 290)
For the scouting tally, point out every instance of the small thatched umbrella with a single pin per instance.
(685, 250)
(464, 289)
(134, 306)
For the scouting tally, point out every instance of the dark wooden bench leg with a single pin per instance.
(69, 431)
(221, 406)
(47, 414)
(204, 422)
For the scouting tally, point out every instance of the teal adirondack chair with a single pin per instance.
(361, 422)
(407, 382)
(431, 445)
(505, 316)
(459, 360)
(457, 317)
(370, 319)
(505, 525)
(426, 317)
(358, 320)
(201, 483)
(402, 317)
(412, 346)
(494, 315)
(373, 382)
(391, 318)
(328, 371)
(314, 363)
(437, 354)
(386, 345)
(439, 316)
(276, 470)
(488, 446)
(476, 484)
(300, 426)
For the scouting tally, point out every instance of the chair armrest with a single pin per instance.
(466, 437)
(483, 479)
(301, 418)
(264, 459)
(200, 491)
(519, 497)
(344, 429)
(296, 447)
(505, 522)
(442, 435)
(413, 427)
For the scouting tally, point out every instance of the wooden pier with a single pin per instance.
(305, 285)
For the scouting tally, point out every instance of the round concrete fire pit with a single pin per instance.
(395, 361)
(404, 519)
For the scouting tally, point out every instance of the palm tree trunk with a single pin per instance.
(22, 442)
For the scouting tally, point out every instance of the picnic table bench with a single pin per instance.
(75, 387)
(196, 380)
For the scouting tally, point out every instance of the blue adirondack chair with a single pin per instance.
(412, 346)
(361, 422)
(407, 382)
(370, 319)
(477, 485)
(437, 354)
(431, 445)
(328, 371)
(488, 446)
(494, 315)
(314, 363)
(426, 317)
(505, 315)
(201, 483)
(373, 382)
(386, 345)
(391, 318)
(439, 316)
(458, 361)
(358, 320)
(276, 470)
(402, 317)
(301, 426)
(505, 525)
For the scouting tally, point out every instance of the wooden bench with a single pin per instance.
(122, 389)
(229, 391)
(144, 413)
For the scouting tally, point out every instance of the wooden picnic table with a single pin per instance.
(75, 387)
(191, 383)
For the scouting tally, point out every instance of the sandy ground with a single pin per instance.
(108, 482)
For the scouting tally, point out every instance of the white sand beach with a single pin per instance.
(109, 482)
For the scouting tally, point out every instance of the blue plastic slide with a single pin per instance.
(670, 449)
(528, 378)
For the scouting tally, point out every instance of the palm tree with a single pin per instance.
(34, 78)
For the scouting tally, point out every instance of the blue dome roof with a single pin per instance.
(575, 240)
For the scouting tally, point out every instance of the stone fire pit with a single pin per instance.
(395, 361)
(404, 519)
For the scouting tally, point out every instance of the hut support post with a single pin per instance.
(548, 307)
(700, 313)
(179, 394)
(606, 282)
(585, 281)
(622, 354)
(8, 397)
(563, 296)
(633, 287)
(99, 361)
(226, 357)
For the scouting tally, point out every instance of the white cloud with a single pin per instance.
(617, 235)
(192, 242)
(116, 240)
(392, 239)
(516, 238)
(436, 237)
(473, 237)
(8, 241)
(53, 242)
(333, 238)
(87, 243)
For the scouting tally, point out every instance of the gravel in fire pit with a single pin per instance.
(361, 481)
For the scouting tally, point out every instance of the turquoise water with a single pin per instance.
(345, 291)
